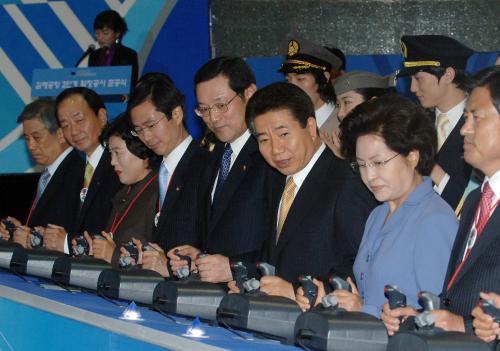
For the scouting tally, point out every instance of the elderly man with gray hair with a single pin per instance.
(56, 198)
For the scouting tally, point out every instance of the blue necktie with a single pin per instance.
(42, 184)
(225, 166)
(163, 183)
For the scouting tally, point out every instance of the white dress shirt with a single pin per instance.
(323, 113)
(174, 157)
(236, 146)
(300, 176)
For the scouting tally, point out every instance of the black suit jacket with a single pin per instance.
(481, 271)
(59, 201)
(325, 223)
(181, 219)
(236, 222)
(451, 158)
(93, 214)
(123, 56)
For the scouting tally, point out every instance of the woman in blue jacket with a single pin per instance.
(408, 238)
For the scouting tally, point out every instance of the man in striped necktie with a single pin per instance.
(474, 265)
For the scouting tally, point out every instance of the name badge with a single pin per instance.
(471, 241)
(157, 218)
(83, 194)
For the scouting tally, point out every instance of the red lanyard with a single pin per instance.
(115, 224)
(467, 249)
(31, 211)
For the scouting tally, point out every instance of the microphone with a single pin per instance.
(85, 54)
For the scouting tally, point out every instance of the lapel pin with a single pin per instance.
(244, 167)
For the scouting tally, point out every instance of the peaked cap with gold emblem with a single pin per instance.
(424, 51)
(305, 55)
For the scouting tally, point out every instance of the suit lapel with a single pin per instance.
(176, 184)
(461, 239)
(307, 194)
(95, 184)
(276, 194)
(48, 193)
(452, 140)
(489, 234)
(238, 172)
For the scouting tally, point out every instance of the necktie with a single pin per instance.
(163, 183)
(483, 214)
(87, 176)
(286, 203)
(442, 126)
(225, 166)
(485, 207)
(42, 184)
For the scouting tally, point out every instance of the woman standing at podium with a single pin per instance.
(109, 29)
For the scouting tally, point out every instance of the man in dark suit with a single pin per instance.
(474, 265)
(436, 65)
(235, 204)
(318, 205)
(157, 114)
(82, 117)
(57, 191)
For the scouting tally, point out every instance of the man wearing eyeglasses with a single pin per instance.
(236, 202)
(157, 114)
(82, 116)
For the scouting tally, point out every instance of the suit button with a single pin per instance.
(446, 301)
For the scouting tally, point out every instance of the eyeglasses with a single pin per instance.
(357, 166)
(137, 131)
(220, 107)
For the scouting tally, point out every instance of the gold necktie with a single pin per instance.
(442, 124)
(286, 203)
(87, 177)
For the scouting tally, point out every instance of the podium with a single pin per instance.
(112, 83)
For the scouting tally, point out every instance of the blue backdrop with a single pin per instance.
(170, 36)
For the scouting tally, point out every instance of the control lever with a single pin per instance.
(82, 246)
(429, 302)
(489, 308)
(266, 269)
(36, 238)
(10, 227)
(310, 289)
(240, 274)
(395, 297)
(185, 271)
(126, 261)
(338, 283)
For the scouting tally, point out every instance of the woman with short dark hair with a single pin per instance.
(408, 238)
(109, 29)
(135, 205)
